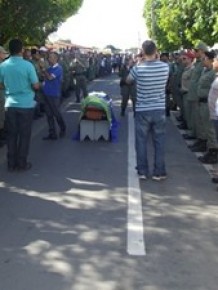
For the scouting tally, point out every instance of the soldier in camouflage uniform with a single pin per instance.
(127, 91)
(80, 81)
(187, 59)
(3, 55)
(38, 63)
(207, 128)
(65, 63)
(193, 100)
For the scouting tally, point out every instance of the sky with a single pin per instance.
(106, 22)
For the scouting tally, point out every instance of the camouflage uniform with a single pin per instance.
(66, 75)
(192, 98)
(185, 83)
(80, 80)
(207, 129)
(126, 90)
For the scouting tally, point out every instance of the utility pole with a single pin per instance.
(153, 21)
(139, 40)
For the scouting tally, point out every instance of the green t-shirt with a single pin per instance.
(17, 75)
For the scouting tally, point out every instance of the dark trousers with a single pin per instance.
(81, 86)
(53, 113)
(127, 92)
(18, 125)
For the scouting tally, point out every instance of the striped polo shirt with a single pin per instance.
(151, 79)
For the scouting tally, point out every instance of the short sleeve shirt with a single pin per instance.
(151, 78)
(52, 88)
(18, 75)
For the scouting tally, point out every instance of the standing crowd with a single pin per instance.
(194, 91)
(34, 82)
(185, 81)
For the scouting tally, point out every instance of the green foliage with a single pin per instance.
(33, 21)
(180, 23)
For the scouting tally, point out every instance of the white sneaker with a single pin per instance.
(142, 176)
(159, 177)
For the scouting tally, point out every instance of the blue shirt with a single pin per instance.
(52, 88)
(17, 75)
(151, 79)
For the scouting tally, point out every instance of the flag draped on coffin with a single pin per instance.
(103, 103)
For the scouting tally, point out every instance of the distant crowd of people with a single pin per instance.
(33, 82)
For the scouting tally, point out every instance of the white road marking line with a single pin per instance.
(135, 229)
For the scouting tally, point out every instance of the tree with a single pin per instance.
(33, 21)
(176, 23)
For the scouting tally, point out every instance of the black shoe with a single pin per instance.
(182, 126)
(214, 179)
(200, 148)
(50, 137)
(197, 143)
(2, 143)
(188, 137)
(25, 167)
(179, 119)
(167, 113)
(210, 157)
(11, 168)
(62, 133)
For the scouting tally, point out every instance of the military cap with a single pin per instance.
(201, 46)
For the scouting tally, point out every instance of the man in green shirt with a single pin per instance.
(3, 55)
(19, 79)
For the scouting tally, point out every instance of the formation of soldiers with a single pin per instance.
(191, 77)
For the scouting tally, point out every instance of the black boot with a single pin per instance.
(211, 157)
(201, 146)
(197, 143)
(214, 179)
(122, 113)
(182, 126)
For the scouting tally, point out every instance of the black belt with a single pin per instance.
(203, 100)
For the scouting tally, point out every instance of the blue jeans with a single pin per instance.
(153, 122)
(215, 123)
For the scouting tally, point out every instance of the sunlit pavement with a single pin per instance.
(65, 224)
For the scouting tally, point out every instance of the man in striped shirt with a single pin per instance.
(151, 77)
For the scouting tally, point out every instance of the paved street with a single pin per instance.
(81, 220)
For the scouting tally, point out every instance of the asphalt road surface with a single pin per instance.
(81, 220)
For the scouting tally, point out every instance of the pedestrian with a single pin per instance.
(207, 129)
(192, 98)
(35, 59)
(52, 95)
(213, 104)
(127, 91)
(19, 79)
(151, 77)
(80, 81)
(187, 59)
(164, 56)
(3, 55)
